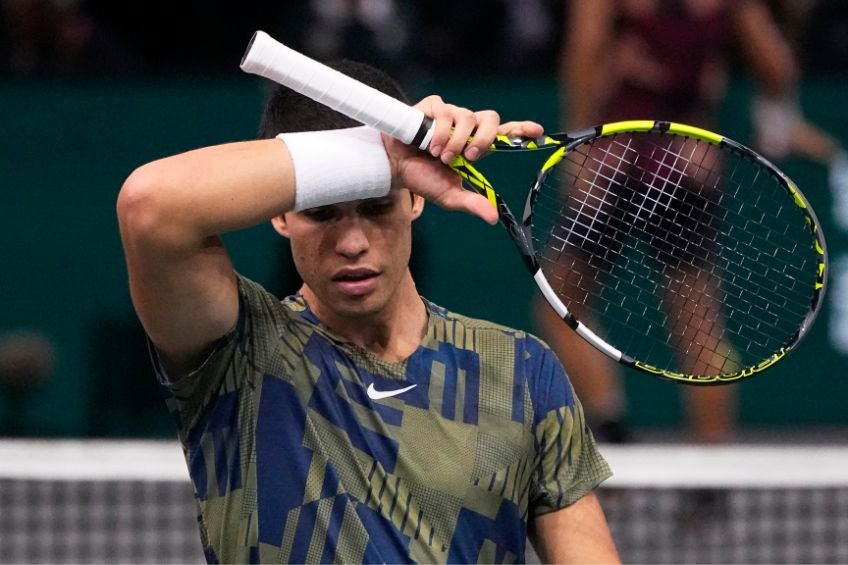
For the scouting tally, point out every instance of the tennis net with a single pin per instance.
(131, 502)
(728, 504)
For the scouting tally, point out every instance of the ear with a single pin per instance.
(417, 206)
(281, 225)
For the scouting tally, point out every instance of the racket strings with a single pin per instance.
(677, 249)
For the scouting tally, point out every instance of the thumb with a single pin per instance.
(471, 203)
(429, 178)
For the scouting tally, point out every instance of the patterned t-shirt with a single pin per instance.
(444, 459)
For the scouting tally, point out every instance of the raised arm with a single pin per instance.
(171, 212)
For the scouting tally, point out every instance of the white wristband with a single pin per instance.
(337, 166)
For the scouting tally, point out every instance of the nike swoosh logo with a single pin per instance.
(378, 394)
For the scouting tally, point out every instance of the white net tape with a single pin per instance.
(131, 502)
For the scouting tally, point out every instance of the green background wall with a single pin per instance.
(66, 148)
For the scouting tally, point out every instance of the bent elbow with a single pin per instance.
(146, 214)
(137, 205)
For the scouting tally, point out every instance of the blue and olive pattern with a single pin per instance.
(293, 460)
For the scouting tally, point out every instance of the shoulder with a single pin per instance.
(256, 300)
(527, 342)
(253, 292)
(513, 350)
(476, 324)
(265, 319)
(511, 358)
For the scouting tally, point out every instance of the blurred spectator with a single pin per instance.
(406, 36)
(670, 60)
(57, 37)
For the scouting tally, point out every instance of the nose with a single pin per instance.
(352, 239)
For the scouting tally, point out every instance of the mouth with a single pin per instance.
(356, 282)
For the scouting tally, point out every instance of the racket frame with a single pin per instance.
(562, 144)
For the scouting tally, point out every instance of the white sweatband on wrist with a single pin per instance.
(338, 165)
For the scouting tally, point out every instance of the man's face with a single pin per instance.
(352, 256)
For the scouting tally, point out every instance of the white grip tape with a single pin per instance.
(271, 59)
(358, 169)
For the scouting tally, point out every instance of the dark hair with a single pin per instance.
(286, 111)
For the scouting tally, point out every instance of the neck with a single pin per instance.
(393, 333)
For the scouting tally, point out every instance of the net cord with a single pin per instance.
(634, 466)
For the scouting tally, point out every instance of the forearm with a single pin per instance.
(180, 201)
(575, 534)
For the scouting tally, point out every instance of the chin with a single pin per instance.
(358, 309)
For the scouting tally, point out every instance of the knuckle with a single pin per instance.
(455, 111)
(490, 115)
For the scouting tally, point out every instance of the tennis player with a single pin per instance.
(354, 421)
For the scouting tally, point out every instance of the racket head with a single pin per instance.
(675, 250)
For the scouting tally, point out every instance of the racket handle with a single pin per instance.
(271, 59)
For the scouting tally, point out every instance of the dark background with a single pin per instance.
(103, 87)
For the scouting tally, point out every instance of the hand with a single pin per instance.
(458, 130)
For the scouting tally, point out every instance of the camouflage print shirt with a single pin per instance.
(444, 459)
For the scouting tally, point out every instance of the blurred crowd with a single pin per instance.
(407, 37)
(91, 37)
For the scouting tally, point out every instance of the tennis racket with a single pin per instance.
(672, 249)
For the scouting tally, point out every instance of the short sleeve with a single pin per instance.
(569, 464)
(231, 363)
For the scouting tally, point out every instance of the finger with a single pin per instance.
(464, 122)
(484, 134)
(479, 206)
(434, 107)
(521, 129)
(470, 202)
